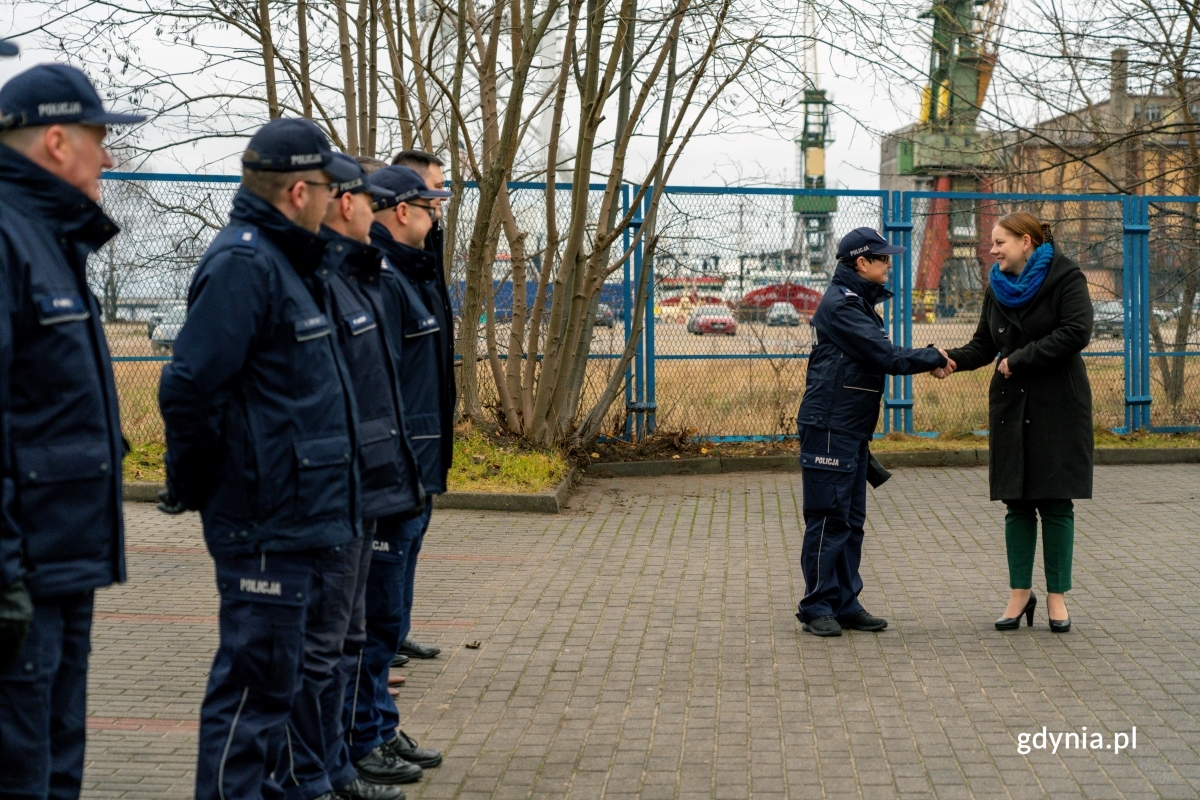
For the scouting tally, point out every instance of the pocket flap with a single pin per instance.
(376, 430)
(425, 426)
(65, 307)
(313, 327)
(328, 452)
(834, 462)
(62, 462)
(359, 322)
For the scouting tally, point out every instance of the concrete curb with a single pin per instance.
(550, 501)
(1105, 456)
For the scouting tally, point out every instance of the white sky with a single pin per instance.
(852, 161)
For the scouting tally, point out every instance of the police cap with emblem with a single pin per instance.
(862, 242)
(354, 185)
(394, 185)
(295, 145)
(54, 94)
(8, 48)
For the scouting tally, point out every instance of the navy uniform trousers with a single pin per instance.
(283, 623)
(835, 510)
(43, 703)
(371, 714)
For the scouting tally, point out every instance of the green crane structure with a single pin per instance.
(945, 147)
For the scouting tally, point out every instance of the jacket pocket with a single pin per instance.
(322, 476)
(862, 381)
(378, 452)
(64, 494)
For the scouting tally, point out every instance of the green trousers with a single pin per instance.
(1058, 540)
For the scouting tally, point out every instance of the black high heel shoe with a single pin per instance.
(1012, 623)
(1060, 625)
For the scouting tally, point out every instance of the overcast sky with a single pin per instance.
(862, 99)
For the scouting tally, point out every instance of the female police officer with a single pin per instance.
(851, 354)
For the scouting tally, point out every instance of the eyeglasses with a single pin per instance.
(431, 209)
(880, 259)
(328, 186)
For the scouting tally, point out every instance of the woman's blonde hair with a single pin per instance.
(1022, 223)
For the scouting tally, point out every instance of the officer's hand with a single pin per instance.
(1003, 368)
(16, 615)
(946, 371)
(168, 503)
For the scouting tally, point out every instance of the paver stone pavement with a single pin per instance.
(643, 645)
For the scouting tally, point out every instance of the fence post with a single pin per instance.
(897, 224)
(1136, 283)
(651, 405)
(627, 309)
(639, 358)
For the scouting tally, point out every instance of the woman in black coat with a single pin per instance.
(1037, 315)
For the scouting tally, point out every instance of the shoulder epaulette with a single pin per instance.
(246, 240)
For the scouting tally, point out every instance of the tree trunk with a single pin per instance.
(268, 55)
(306, 98)
(347, 78)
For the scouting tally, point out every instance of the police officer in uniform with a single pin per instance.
(261, 432)
(61, 535)
(851, 355)
(388, 470)
(431, 284)
(402, 221)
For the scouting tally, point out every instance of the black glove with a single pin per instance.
(877, 474)
(168, 503)
(16, 615)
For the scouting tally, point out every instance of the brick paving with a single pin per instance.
(643, 644)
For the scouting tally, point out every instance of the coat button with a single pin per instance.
(1022, 391)
(299, 595)
(28, 666)
(104, 467)
(1026, 422)
(244, 534)
(392, 432)
(32, 476)
(305, 461)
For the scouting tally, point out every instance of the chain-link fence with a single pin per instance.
(736, 273)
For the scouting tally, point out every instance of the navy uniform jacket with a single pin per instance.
(388, 470)
(257, 402)
(850, 357)
(415, 314)
(60, 429)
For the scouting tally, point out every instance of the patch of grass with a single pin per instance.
(145, 462)
(482, 463)
(486, 462)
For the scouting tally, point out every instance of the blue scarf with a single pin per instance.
(1019, 291)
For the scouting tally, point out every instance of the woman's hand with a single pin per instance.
(942, 373)
(1003, 368)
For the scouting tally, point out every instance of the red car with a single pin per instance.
(712, 319)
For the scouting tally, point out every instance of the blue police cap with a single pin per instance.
(54, 94)
(295, 145)
(391, 186)
(354, 185)
(864, 241)
(8, 48)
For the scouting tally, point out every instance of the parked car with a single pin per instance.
(605, 318)
(712, 319)
(783, 314)
(162, 340)
(160, 311)
(1108, 319)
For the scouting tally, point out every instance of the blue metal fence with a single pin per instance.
(747, 386)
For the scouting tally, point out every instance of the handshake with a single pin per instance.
(942, 373)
